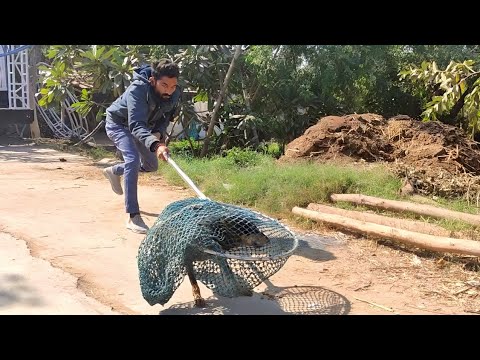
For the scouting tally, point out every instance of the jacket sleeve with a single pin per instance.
(137, 115)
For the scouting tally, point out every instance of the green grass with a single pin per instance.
(276, 188)
(258, 181)
(458, 205)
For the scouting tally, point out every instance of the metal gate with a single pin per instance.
(18, 84)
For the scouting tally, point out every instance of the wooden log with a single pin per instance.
(423, 241)
(420, 209)
(405, 224)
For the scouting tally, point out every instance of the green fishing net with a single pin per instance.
(232, 249)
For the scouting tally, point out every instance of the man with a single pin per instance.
(136, 122)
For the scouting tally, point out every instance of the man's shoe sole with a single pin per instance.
(137, 231)
(105, 173)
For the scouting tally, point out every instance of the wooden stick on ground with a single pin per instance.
(424, 241)
(404, 224)
(395, 205)
(377, 305)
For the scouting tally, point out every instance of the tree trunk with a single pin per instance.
(450, 118)
(404, 224)
(246, 96)
(34, 58)
(216, 110)
(423, 241)
(420, 209)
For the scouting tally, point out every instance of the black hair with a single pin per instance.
(164, 67)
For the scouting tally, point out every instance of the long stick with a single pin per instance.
(405, 224)
(421, 209)
(424, 241)
(374, 304)
(185, 177)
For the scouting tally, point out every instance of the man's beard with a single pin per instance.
(163, 96)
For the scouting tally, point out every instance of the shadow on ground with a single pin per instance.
(293, 300)
(14, 289)
(32, 154)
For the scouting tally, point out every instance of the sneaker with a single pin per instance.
(137, 225)
(114, 180)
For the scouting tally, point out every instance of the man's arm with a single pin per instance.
(137, 116)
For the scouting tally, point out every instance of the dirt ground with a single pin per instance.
(437, 159)
(82, 259)
(29, 285)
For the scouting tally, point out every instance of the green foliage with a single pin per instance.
(275, 92)
(184, 148)
(279, 91)
(242, 157)
(455, 91)
(55, 84)
(273, 149)
(86, 69)
(291, 86)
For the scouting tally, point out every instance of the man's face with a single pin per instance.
(165, 86)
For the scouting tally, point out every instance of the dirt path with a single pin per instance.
(67, 214)
(30, 285)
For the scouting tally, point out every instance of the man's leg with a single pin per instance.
(125, 142)
(113, 173)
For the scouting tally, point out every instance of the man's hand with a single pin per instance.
(162, 149)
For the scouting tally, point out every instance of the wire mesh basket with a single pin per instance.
(232, 249)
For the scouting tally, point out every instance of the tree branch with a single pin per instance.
(216, 110)
(450, 118)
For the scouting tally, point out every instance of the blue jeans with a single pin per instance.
(137, 158)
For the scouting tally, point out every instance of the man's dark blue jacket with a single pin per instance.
(143, 111)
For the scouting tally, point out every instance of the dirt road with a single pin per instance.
(82, 259)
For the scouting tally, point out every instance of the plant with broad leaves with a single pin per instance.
(455, 92)
(85, 71)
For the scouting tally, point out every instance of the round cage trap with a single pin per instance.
(230, 249)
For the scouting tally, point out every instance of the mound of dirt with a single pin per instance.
(354, 136)
(436, 158)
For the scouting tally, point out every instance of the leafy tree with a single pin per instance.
(455, 92)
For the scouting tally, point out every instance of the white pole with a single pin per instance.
(184, 176)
